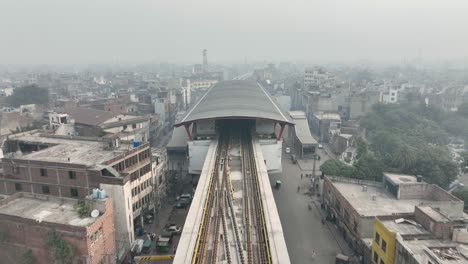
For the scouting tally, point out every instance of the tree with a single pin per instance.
(28, 257)
(361, 147)
(368, 167)
(462, 195)
(331, 167)
(31, 94)
(61, 250)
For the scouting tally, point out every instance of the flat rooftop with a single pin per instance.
(331, 116)
(46, 209)
(400, 178)
(434, 214)
(420, 247)
(84, 152)
(405, 227)
(384, 202)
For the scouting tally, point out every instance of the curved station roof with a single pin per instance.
(235, 100)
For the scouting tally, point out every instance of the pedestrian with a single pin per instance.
(298, 188)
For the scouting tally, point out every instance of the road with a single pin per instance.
(303, 228)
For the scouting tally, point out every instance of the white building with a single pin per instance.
(390, 96)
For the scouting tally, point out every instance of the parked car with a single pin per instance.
(175, 230)
(182, 204)
(185, 196)
(320, 146)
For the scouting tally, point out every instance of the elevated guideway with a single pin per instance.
(233, 216)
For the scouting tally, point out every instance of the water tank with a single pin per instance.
(136, 144)
(95, 194)
(418, 178)
(102, 194)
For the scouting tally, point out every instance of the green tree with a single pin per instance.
(62, 252)
(331, 167)
(31, 94)
(368, 167)
(28, 257)
(462, 195)
(361, 147)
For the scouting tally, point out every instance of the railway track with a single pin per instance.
(220, 237)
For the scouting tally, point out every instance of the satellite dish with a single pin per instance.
(95, 213)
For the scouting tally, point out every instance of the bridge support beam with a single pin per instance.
(281, 131)
(187, 129)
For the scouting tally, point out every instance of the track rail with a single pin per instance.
(219, 210)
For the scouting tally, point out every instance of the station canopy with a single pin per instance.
(237, 99)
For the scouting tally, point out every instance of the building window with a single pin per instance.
(384, 246)
(377, 238)
(134, 126)
(45, 190)
(74, 192)
(72, 175)
(16, 170)
(124, 127)
(18, 187)
(43, 172)
(376, 257)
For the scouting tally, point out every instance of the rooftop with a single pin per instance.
(331, 116)
(376, 201)
(179, 138)
(406, 227)
(64, 149)
(235, 99)
(44, 208)
(398, 179)
(447, 251)
(302, 128)
(434, 214)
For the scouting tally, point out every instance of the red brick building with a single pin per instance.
(26, 220)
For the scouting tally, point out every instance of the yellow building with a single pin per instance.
(383, 244)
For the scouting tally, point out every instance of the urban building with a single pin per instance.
(427, 236)
(29, 222)
(361, 103)
(353, 204)
(322, 123)
(97, 123)
(71, 167)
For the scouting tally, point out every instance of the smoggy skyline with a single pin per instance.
(54, 31)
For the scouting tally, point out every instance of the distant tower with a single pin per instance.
(205, 60)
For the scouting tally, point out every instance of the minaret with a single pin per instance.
(205, 60)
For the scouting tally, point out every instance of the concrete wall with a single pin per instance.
(439, 229)
(123, 215)
(272, 151)
(205, 127)
(264, 127)
(22, 234)
(197, 155)
(413, 191)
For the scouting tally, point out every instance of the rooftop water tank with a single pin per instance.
(136, 144)
(102, 194)
(95, 194)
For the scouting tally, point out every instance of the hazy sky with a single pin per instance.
(107, 31)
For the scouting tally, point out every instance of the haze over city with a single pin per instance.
(233, 132)
(74, 32)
